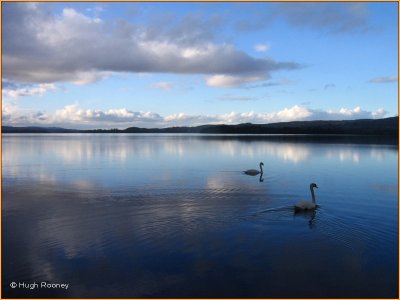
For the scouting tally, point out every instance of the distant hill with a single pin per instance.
(385, 127)
(36, 129)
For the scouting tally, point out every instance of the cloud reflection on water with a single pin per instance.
(156, 216)
(70, 150)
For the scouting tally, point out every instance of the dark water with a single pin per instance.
(174, 216)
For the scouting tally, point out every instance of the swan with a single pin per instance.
(253, 172)
(307, 205)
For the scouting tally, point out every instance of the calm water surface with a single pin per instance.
(174, 216)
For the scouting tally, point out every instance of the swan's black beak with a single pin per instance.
(316, 186)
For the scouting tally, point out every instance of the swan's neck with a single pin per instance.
(261, 168)
(312, 194)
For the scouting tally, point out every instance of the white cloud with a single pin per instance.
(31, 90)
(82, 78)
(163, 85)
(384, 79)
(294, 113)
(236, 98)
(232, 81)
(72, 116)
(9, 111)
(379, 113)
(96, 9)
(262, 47)
(349, 114)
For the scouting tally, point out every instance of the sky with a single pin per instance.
(117, 65)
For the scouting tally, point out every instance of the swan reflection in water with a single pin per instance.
(261, 177)
(308, 215)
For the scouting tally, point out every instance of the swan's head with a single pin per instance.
(313, 185)
(261, 163)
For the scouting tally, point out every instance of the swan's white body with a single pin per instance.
(254, 172)
(307, 205)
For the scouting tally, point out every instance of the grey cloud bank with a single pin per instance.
(349, 17)
(39, 47)
(327, 17)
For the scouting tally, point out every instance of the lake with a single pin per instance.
(158, 215)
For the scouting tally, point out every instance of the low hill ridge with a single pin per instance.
(386, 126)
